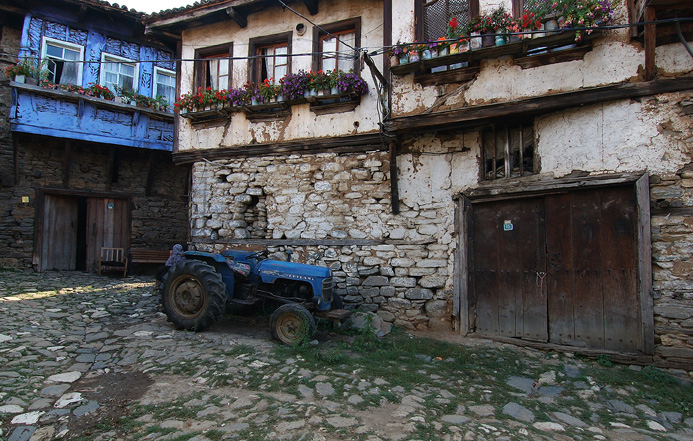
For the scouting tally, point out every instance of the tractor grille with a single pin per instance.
(327, 287)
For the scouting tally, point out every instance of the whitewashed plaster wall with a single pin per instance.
(617, 137)
(302, 123)
(614, 59)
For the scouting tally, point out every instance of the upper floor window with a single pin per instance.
(118, 73)
(270, 57)
(433, 16)
(213, 67)
(165, 84)
(508, 151)
(64, 61)
(334, 43)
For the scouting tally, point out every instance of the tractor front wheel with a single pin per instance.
(194, 295)
(291, 324)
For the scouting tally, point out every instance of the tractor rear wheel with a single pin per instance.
(291, 324)
(194, 295)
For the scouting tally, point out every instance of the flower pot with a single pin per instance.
(434, 53)
(426, 54)
(334, 91)
(413, 57)
(463, 46)
(499, 40)
(32, 81)
(404, 58)
(394, 61)
(539, 34)
(488, 40)
(313, 92)
(551, 25)
(475, 41)
(454, 49)
(443, 51)
(20, 78)
(306, 93)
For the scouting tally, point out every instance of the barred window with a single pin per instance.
(508, 151)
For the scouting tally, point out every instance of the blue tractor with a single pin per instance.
(197, 290)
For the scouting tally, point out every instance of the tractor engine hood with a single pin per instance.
(270, 270)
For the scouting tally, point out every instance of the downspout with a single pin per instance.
(683, 40)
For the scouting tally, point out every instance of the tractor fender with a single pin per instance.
(220, 264)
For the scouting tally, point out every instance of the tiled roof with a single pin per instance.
(123, 8)
(195, 5)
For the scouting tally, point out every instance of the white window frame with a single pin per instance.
(65, 45)
(111, 58)
(155, 89)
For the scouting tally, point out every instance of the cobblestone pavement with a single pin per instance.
(88, 357)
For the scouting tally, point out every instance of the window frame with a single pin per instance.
(419, 18)
(335, 28)
(107, 57)
(200, 64)
(155, 87)
(65, 45)
(255, 62)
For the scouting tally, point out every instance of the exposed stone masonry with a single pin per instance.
(395, 265)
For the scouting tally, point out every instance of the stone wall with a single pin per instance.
(334, 210)
(672, 248)
(158, 219)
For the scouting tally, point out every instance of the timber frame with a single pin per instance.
(463, 314)
(471, 117)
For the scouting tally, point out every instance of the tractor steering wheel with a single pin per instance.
(258, 254)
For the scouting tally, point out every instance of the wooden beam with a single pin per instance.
(478, 116)
(240, 18)
(67, 163)
(650, 44)
(312, 6)
(644, 244)
(394, 187)
(345, 144)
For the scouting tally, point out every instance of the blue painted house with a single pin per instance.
(88, 151)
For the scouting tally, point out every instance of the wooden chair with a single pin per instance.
(113, 260)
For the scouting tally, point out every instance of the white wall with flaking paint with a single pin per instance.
(302, 123)
(616, 137)
(614, 59)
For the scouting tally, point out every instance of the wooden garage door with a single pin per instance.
(560, 268)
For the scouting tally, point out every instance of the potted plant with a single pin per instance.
(587, 13)
(252, 93)
(27, 71)
(350, 83)
(124, 95)
(99, 91)
(294, 85)
(268, 91)
(500, 23)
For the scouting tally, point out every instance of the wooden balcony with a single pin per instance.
(69, 115)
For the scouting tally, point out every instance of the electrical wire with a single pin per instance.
(376, 50)
(317, 26)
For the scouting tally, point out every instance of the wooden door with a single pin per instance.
(592, 274)
(561, 267)
(509, 267)
(59, 235)
(107, 226)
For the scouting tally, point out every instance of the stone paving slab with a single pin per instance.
(76, 349)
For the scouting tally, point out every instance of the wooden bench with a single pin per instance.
(113, 260)
(145, 255)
